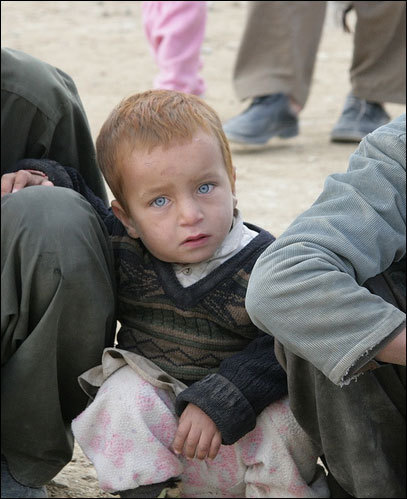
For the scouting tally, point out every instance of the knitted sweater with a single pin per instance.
(189, 331)
(201, 334)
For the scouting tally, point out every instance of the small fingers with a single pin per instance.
(203, 446)
(191, 443)
(180, 436)
(215, 445)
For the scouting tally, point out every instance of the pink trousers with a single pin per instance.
(128, 429)
(175, 32)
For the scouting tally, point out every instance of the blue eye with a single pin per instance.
(205, 188)
(159, 202)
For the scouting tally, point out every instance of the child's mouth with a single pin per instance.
(197, 240)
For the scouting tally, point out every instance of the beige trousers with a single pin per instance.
(280, 42)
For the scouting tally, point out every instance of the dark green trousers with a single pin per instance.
(360, 428)
(57, 315)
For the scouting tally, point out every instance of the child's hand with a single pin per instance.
(13, 182)
(197, 435)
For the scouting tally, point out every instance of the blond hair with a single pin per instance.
(151, 119)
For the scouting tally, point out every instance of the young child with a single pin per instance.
(175, 32)
(186, 348)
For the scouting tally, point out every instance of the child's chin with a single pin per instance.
(195, 257)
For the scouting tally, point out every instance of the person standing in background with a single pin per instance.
(276, 59)
(175, 32)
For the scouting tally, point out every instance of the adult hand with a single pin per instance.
(13, 182)
(197, 435)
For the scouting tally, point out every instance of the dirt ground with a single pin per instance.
(101, 44)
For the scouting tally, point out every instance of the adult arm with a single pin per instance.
(56, 175)
(394, 352)
(306, 288)
(43, 117)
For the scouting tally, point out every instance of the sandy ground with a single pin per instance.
(101, 45)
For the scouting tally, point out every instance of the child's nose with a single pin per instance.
(189, 212)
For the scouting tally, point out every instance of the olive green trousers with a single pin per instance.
(57, 315)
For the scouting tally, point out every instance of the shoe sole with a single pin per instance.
(285, 133)
(343, 135)
(346, 141)
(346, 137)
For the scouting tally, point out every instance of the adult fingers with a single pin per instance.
(14, 182)
(21, 180)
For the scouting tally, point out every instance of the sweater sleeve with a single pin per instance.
(65, 176)
(244, 385)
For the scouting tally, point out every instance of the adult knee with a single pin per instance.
(53, 240)
(44, 210)
(48, 218)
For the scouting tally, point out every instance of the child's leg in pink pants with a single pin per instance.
(276, 459)
(128, 429)
(175, 32)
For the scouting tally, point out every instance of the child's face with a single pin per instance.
(180, 200)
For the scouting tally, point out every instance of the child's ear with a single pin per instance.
(234, 180)
(121, 214)
(234, 189)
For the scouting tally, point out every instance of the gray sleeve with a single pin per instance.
(306, 288)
